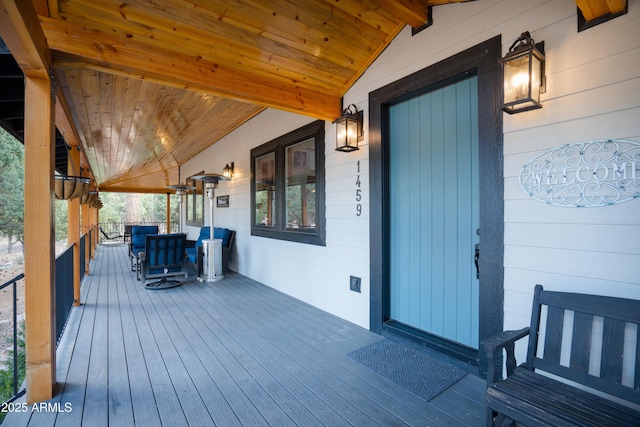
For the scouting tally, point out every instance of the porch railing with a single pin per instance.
(64, 303)
(83, 242)
(113, 229)
(16, 380)
(64, 290)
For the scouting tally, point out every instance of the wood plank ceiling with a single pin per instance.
(151, 83)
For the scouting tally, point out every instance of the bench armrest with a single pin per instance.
(493, 348)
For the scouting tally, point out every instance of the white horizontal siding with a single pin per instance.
(572, 237)
(297, 269)
(622, 123)
(593, 82)
(605, 266)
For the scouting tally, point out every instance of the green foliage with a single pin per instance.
(134, 208)
(113, 209)
(61, 223)
(301, 213)
(6, 371)
(154, 207)
(11, 187)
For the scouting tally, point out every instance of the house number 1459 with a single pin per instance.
(358, 192)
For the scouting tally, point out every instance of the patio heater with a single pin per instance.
(211, 247)
(181, 191)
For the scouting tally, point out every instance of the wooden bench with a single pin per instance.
(592, 341)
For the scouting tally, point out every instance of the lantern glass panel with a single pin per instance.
(516, 79)
(352, 133)
(341, 133)
(536, 78)
(347, 134)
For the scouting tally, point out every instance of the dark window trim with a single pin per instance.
(194, 218)
(278, 146)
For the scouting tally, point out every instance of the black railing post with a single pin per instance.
(64, 289)
(15, 337)
(16, 369)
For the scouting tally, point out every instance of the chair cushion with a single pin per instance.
(218, 233)
(224, 234)
(192, 253)
(138, 233)
(204, 235)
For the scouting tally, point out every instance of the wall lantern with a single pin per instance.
(349, 129)
(523, 75)
(227, 172)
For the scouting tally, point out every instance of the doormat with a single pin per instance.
(411, 369)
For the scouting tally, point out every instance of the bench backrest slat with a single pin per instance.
(612, 349)
(553, 336)
(584, 341)
(581, 339)
(636, 384)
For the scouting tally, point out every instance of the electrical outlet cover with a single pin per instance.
(354, 284)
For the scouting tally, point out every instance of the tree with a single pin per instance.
(61, 209)
(113, 209)
(12, 189)
(136, 208)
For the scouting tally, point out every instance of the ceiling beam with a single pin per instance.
(21, 32)
(593, 9)
(412, 12)
(64, 123)
(118, 55)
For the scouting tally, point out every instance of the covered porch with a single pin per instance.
(233, 352)
(148, 94)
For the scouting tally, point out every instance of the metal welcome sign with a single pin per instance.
(584, 174)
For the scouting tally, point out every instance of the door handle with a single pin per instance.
(476, 257)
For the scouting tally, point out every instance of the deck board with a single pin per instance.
(229, 353)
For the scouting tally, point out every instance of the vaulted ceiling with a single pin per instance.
(148, 84)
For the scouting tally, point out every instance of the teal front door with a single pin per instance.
(434, 211)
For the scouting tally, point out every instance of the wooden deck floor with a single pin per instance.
(229, 353)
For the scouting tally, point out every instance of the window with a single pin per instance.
(287, 186)
(195, 203)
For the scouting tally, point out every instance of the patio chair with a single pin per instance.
(138, 233)
(163, 257)
(110, 240)
(127, 232)
(195, 252)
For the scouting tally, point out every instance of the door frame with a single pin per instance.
(483, 60)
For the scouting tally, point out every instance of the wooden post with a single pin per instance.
(168, 213)
(87, 244)
(94, 233)
(39, 240)
(73, 227)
